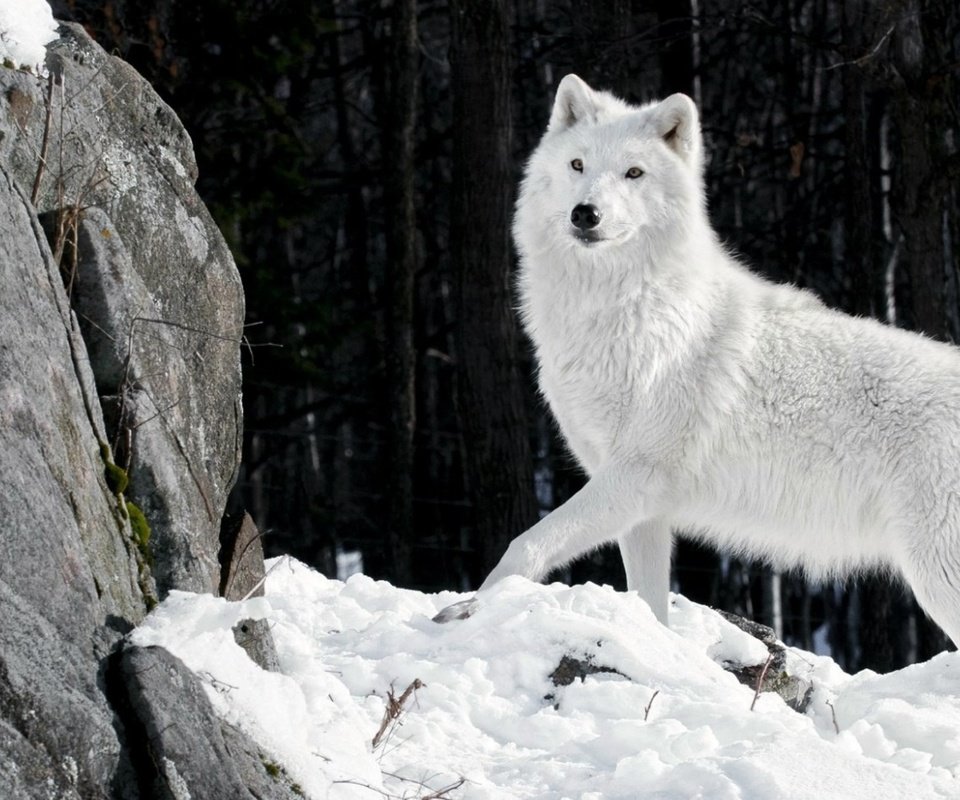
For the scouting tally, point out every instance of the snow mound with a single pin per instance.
(26, 28)
(667, 721)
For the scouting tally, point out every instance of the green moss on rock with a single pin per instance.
(140, 529)
(273, 770)
(116, 477)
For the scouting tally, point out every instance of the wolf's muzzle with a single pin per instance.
(585, 216)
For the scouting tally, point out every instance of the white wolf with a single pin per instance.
(700, 397)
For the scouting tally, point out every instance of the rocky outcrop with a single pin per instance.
(774, 674)
(153, 285)
(180, 748)
(241, 576)
(68, 573)
(121, 316)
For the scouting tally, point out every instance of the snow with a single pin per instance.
(672, 724)
(26, 27)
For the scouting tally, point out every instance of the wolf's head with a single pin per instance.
(607, 173)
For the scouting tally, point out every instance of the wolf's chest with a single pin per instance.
(592, 392)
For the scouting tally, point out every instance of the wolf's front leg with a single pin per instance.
(646, 551)
(615, 498)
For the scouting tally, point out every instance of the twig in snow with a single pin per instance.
(646, 711)
(433, 794)
(441, 794)
(395, 708)
(263, 580)
(833, 713)
(763, 674)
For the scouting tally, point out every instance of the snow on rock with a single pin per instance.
(26, 27)
(668, 723)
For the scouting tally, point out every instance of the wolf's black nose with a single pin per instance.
(585, 216)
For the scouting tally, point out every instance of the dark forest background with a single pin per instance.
(361, 159)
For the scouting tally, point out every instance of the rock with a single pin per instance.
(181, 749)
(24, 767)
(68, 575)
(241, 575)
(254, 636)
(52, 485)
(241, 558)
(266, 779)
(151, 280)
(757, 630)
(572, 667)
(795, 691)
(119, 427)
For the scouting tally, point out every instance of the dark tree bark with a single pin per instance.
(923, 99)
(601, 45)
(491, 399)
(902, 46)
(400, 353)
(862, 257)
(674, 43)
(881, 649)
(921, 116)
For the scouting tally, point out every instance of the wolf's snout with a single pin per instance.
(585, 217)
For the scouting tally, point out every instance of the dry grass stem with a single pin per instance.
(763, 674)
(646, 711)
(391, 714)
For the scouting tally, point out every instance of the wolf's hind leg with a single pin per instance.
(935, 580)
(646, 549)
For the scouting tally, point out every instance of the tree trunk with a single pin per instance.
(601, 45)
(861, 256)
(675, 46)
(921, 113)
(491, 398)
(400, 355)
(880, 602)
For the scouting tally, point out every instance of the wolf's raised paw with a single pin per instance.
(461, 610)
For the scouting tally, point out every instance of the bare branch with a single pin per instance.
(833, 713)
(45, 143)
(440, 794)
(646, 711)
(763, 674)
(859, 62)
(395, 708)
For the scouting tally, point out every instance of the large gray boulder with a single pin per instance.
(153, 284)
(68, 574)
(182, 748)
(120, 421)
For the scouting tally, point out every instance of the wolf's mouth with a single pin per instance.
(587, 237)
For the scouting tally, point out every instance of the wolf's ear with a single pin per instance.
(678, 123)
(575, 102)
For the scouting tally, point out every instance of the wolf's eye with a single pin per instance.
(577, 164)
(634, 172)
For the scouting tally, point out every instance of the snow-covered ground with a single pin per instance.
(673, 724)
(26, 27)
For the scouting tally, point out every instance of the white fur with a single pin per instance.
(702, 398)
